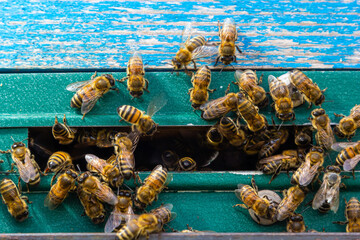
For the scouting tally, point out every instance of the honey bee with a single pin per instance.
(303, 137)
(249, 196)
(100, 137)
(282, 101)
(348, 125)
(94, 209)
(89, 92)
(219, 107)
(58, 161)
(352, 214)
(234, 134)
(288, 159)
(255, 143)
(250, 113)
(293, 197)
(145, 224)
(307, 171)
(140, 121)
(91, 184)
(349, 154)
(135, 75)
(173, 163)
(199, 92)
(152, 186)
(163, 215)
(296, 96)
(277, 138)
(311, 91)
(122, 213)
(214, 138)
(62, 132)
(60, 190)
(15, 203)
(295, 224)
(108, 172)
(248, 82)
(228, 35)
(321, 122)
(25, 162)
(327, 197)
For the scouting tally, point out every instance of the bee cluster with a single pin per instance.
(249, 133)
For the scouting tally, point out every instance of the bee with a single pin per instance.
(199, 93)
(255, 143)
(145, 224)
(234, 134)
(100, 137)
(58, 161)
(248, 82)
(140, 121)
(349, 154)
(60, 190)
(135, 75)
(348, 125)
(261, 206)
(321, 122)
(296, 96)
(15, 203)
(108, 172)
(62, 132)
(293, 197)
(228, 35)
(25, 162)
(152, 186)
(303, 137)
(295, 224)
(163, 215)
(308, 170)
(311, 91)
(277, 138)
(89, 92)
(92, 185)
(327, 197)
(255, 122)
(122, 213)
(214, 138)
(282, 101)
(219, 107)
(173, 163)
(94, 209)
(352, 214)
(288, 159)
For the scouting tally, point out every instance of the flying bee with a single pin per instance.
(214, 138)
(282, 101)
(327, 197)
(135, 75)
(140, 121)
(89, 92)
(152, 186)
(303, 137)
(60, 190)
(25, 162)
(352, 214)
(276, 139)
(100, 137)
(349, 154)
(94, 209)
(92, 185)
(62, 132)
(173, 163)
(199, 93)
(348, 125)
(311, 91)
(321, 122)
(228, 35)
(145, 224)
(288, 159)
(308, 170)
(122, 213)
(108, 172)
(295, 224)
(234, 134)
(163, 215)
(15, 203)
(293, 197)
(248, 82)
(219, 107)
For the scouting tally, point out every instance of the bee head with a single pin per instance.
(320, 100)
(318, 112)
(17, 145)
(227, 59)
(176, 63)
(296, 218)
(110, 78)
(136, 94)
(83, 177)
(99, 219)
(195, 105)
(285, 116)
(22, 216)
(338, 132)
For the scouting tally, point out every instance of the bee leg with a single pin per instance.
(261, 79)
(194, 64)
(217, 60)
(123, 79)
(324, 90)
(146, 85)
(11, 169)
(342, 185)
(83, 116)
(227, 89)
(190, 90)
(339, 115)
(7, 151)
(237, 47)
(277, 171)
(253, 183)
(25, 198)
(341, 223)
(241, 205)
(310, 105)
(212, 90)
(94, 75)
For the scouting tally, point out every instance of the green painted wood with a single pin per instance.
(35, 99)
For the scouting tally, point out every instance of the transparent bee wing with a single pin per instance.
(105, 194)
(274, 158)
(351, 163)
(137, 54)
(211, 159)
(334, 204)
(238, 193)
(214, 108)
(326, 137)
(157, 103)
(169, 178)
(113, 221)
(238, 74)
(73, 87)
(308, 174)
(225, 33)
(272, 79)
(134, 136)
(320, 196)
(205, 51)
(89, 102)
(23, 170)
(186, 34)
(50, 204)
(338, 146)
(29, 166)
(168, 206)
(95, 161)
(285, 78)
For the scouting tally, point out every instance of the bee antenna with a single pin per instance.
(25, 139)
(118, 190)
(305, 209)
(222, 68)
(280, 125)
(128, 187)
(13, 139)
(78, 167)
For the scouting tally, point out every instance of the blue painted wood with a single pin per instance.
(97, 34)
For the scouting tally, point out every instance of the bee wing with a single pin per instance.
(308, 174)
(274, 158)
(326, 136)
(227, 22)
(285, 78)
(50, 204)
(186, 34)
(334, 204)
(211, 159)
(169, 178)
(88, 102)
(105, 194)
(217, 108)
(351, 163)
(134, 136)
(320, 196)
(95, 161)
(113, 221)
(29, 166)
(157, 103)
(23, 171)
(205, 51)
(338, 146)
(238, 193)
(73, 87)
